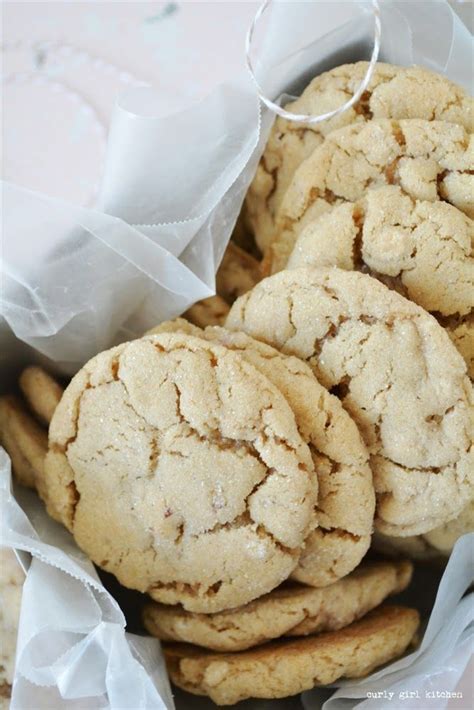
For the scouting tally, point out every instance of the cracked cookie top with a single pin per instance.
(346, 501)
(424, 250)
(396, 372)
(179, 468)
(429, 160)
(393, 92)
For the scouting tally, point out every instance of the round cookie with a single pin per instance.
(346, 501)
(396, 372)
(439, 541)
(288, 667)
(179, 468)
(393, 92)
(429, 160)
(422, 249)
(291, 610)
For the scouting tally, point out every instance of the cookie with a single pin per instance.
(429, 160)
(11, 587)
(178, 325)
(393, 92)
(445, 536)
(24, 440)
(396, 372)
(292, 610)
(238, 273)
(210, 311)
(461, 332)
(41, 392)
(287, 667)
(345, 505)
(439, 541)
(424, 250)
(179, 468)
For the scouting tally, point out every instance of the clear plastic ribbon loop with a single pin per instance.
(305, 118)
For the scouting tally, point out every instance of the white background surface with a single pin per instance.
(54, 132)
(51, 142)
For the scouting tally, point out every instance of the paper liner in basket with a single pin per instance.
(76, 281)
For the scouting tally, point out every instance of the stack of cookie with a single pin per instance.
(216, 474)
(385, 189)
(236, 474)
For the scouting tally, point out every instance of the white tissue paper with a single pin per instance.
(76, 281)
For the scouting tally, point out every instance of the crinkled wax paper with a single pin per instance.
(71, 643)
(76, 280)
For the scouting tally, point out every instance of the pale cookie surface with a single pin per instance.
(346, 501)
(285, 668)
(178, 325)
(293, 610)
(393, 92)
(461, 332)
(238, 273)
(439, 541)
(422, 249)
(395, 371)
(179, 468)
(11, 587)
(429, 160)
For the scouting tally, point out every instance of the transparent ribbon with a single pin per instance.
(309, 118)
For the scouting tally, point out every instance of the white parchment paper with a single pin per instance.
(76, 280)
(71, 641)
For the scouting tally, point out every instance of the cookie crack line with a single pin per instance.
(340, 532)
(421, 469)
(289, 223)
(333, 329)
(335, 466)
(215, 438)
